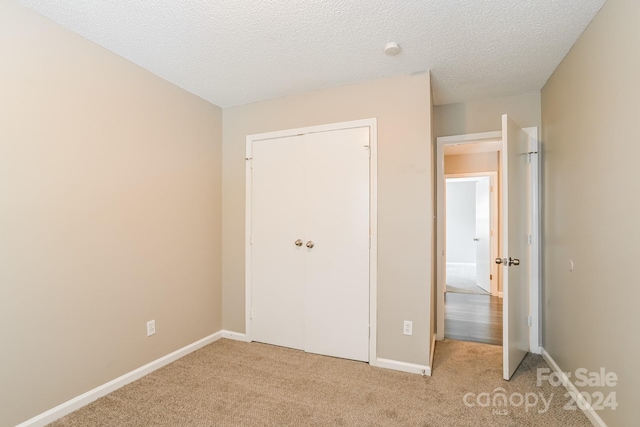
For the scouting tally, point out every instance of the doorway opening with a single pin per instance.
(516, 162)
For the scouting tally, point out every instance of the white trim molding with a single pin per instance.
(396, 365)
(84, 399)
(535, 196)
(581, 402)
(236, 336)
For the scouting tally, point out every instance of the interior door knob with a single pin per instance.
(501, 260)
(309, 244)
(298, 242)
(514, 261)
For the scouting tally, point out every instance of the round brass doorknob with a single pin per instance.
(298, 242)
(499, 260)
(514, 261)
(309, 244)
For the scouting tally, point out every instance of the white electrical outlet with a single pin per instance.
(151, 327)
(408, 327)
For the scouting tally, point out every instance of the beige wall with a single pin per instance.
(485, 115)
(591, 107)
(110, 193)
(467, 163)
(403, 108)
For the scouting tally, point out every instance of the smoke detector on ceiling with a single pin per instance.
(392, 49)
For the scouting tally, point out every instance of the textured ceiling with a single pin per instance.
(232, 52)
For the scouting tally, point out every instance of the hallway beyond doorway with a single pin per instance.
(462, 278)
(471, 317)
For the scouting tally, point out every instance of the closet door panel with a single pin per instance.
(278, 265)
(336, 218)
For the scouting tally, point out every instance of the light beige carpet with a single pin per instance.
(230, 383)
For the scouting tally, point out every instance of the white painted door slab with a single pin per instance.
(337, 218)
(277, 308)
(515, 246)
(313, 188)
(483, 233)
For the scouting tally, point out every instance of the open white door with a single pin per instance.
(516, 256)
(483, 233)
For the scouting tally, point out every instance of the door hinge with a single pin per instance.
(529, 239)
(530, 321)
(491, 277)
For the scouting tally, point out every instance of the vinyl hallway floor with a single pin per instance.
(472, 317)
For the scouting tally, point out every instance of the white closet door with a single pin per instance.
(277, 270)
(337, 222)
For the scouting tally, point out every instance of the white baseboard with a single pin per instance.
(568, 384)
(403, 366)
(237, 336)
(84, 399)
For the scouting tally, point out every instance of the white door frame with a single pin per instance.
(373, 217)
(493, 177)
(535, 195)
(534, 188)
